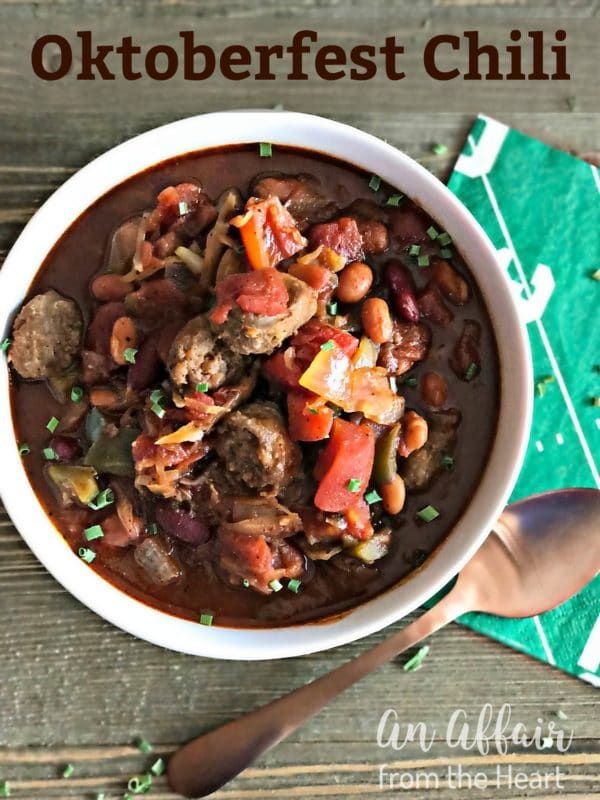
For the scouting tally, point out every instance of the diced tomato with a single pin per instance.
(319, 278)
(311, 336)
(283, 368)
(196, 404)
(286, 367)
(269, 233)
(169, 200)
(143, 449)
(341, 235)
(358, 518)
(344, 467)
(316, 276)
(309, 419)
(262, 292)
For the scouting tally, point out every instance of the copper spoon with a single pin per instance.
(541, 552)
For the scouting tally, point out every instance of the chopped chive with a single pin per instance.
(444, 239)
(428, 514)
(93, 532)
(375, 183)
(158, 410)
(540, 386)
(313, 410)
(414, 249)
(140, 784)
(276, 585)
(152, 529)
(52, 424)
(24, 449)
(561, 714)
(439, 149)
(294, 585)
(127, 796)
(332, 309)
(143, 745)
(596, 275)
(206, 619)
(446, 252)
(4, 789)
(354, 484)
(416, 662)
(265, 149)
(472, 370)
(410, 381)
(328, 345)
(129, 355)
(77, 394)
(157, 396)
(394, 200)
(245, 583)
(432, 232)
(4, 345)
(49, 454)
(102, 499)
(423, 261)
(372, 497)
(202, 387)
(448, 463)
(596, 402)
(183, 208)
(68, 771)
(158, 767)
(87, 555)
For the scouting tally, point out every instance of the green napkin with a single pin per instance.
(541, 209)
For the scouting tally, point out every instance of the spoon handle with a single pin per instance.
(208, 762)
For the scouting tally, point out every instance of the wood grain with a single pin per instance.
(73, 689)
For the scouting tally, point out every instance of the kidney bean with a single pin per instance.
(450, 283)
(434, 389)
(432, 306)
(100, 328)
(147, 363)
(355, 280)
(66, 447)
(403, 292)
(376, 320)
(110, 287)
(466, 351)
(182, 524)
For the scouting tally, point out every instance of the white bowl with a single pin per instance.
(373, 155)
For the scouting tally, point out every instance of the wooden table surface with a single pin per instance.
(73, 689)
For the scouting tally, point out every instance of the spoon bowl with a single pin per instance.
(541, 551)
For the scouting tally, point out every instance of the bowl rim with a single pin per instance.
(366, 151)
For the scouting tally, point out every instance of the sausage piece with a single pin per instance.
(256, 449)
(196, 357)
(422, 465)
(46, 336)
(247, 333)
